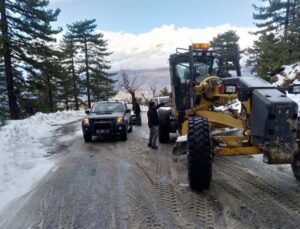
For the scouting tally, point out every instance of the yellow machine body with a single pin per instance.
(230, 145)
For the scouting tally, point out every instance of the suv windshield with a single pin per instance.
(108, 107)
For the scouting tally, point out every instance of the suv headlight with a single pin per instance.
(120, 120)
(86, 121)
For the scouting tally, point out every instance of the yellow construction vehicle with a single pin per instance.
(266, 122)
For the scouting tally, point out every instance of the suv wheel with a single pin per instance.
(296, 166)
(87, 137)
(124, 136)
(125, 133)
(130, 128)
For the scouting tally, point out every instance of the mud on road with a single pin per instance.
(115, 184)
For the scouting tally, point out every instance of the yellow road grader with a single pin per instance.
(202, 93)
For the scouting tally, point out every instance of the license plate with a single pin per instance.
(102, 131)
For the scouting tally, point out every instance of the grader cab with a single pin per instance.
(202, 91)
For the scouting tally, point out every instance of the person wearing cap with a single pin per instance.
(153, 123)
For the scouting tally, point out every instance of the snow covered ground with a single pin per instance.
(290, 73)
(24, 151)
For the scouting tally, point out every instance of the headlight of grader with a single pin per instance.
(296, 89)
(230, 89)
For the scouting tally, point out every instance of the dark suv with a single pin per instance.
(107, 118)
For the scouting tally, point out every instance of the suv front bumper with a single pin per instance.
(98, 130)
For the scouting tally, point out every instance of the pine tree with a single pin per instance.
(65, 90)
(69, 57)
(279, 37)
(45, 80)
(3, 91)
(93, 63)
(275, 17)
(280, 18)
(164, 92)
(294, 34)
(263, 58)
(102, 86)
(25, 27)
(227, 46)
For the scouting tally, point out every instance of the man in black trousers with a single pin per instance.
(153, 123)
(137, 112)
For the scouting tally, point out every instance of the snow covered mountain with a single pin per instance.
(157, 78)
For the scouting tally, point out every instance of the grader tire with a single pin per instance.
(199, 155)
(163, 128)
(296, 166)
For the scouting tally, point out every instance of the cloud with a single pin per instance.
(152, 49)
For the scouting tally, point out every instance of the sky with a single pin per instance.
(143, 33)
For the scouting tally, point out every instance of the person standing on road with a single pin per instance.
(137, 112)
(153, 124)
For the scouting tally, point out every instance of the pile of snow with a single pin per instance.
(288, 75)
(234, 105)
(182, 138)
(144, 108)
(23, 151)
(294, 97)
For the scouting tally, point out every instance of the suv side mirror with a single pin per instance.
(128, 111)
(87, 111)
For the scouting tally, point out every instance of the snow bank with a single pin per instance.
(235, 105)
(182, 138)
(23, 147)
(144, 108)
(288, 75)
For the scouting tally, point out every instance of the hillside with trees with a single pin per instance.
(37, 74)
(278, 42)
(41, 74)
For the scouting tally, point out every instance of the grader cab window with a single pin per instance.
(183, 72)
(181, 77)
(202, 70)
(203, 66)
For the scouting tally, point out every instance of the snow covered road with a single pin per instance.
(115, 184)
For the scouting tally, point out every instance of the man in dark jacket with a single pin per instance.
(153, 122)
(137, 112)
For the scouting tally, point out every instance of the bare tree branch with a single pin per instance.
(153, 90)
(130, 85)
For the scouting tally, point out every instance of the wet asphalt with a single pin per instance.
(115, 184)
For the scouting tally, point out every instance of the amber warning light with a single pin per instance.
(200, 45)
